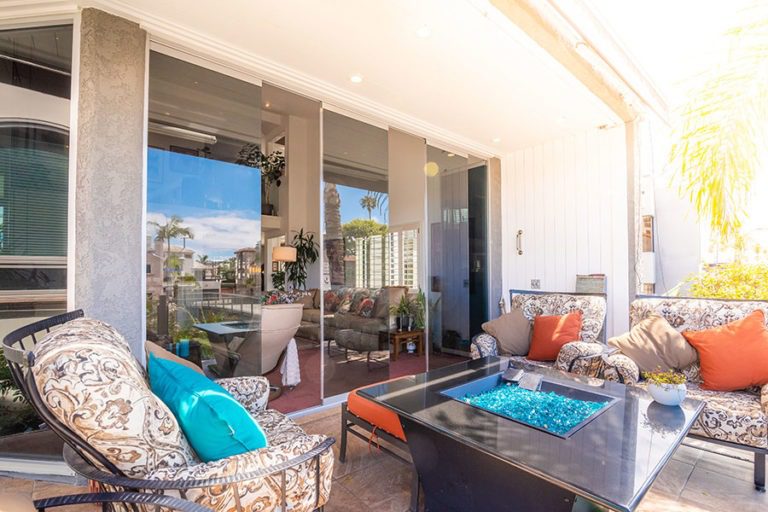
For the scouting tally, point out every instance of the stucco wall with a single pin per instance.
(110, 148)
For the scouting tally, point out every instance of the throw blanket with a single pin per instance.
(290, 369)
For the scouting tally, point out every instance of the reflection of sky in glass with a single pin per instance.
(350, 205)
(220, 202)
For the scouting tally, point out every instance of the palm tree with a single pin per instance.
(723, 132)
(203, 259)
(369, 202)
(173, 228)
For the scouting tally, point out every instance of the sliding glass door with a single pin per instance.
(458, 259)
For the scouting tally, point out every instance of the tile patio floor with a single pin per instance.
(695, 480)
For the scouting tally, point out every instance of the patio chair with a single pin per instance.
(83, 381)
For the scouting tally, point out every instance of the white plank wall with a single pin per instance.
(569, 196)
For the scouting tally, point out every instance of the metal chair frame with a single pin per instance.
(88, 462)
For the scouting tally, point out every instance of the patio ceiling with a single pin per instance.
(457, 71)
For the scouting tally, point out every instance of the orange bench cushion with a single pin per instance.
(375, 414)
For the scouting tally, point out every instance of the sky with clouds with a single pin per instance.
(219, 201)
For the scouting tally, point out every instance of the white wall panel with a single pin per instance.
(569, 196)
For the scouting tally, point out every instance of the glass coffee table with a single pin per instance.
(471, 458)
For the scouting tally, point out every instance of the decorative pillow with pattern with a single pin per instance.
(357, 298)
(345, 304)
(365, 309)
(330, 301)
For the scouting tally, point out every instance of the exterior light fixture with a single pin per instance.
(431, 169)
(356, 79)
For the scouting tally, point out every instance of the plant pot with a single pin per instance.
(267, 209)
(410, 347)
(668, 394)
(405, 323)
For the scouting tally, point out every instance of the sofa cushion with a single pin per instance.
(330, 301)
(366, 325)
(386, 297)
(733, 416)
(82, 367)
(216, 424)
(311, 315)
(375, 414)
(733, 356)
(653, 343)
(512, 332)
(365, 309)
(551, 332)
(592, 308)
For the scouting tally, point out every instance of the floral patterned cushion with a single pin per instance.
(365, 309)
(282, 297)
(735, 416)
(94, 386)
(330, 301)
(592, 308)
(693, 314)
(89, 380)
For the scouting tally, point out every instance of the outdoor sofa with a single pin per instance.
(735, 418)
(84, 382)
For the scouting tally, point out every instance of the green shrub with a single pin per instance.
(731, 281)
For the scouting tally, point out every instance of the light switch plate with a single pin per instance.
(535, 284)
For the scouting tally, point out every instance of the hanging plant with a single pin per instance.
(272, 166)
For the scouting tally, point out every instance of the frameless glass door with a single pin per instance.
(458, 275)
(204, 217)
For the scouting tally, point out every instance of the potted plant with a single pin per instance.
(666, 387)
(272, 170)
(307, 252)
(402, 313)
(418, 310)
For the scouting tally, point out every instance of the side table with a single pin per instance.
(398, 338)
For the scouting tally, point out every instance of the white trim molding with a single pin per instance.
(182, 39)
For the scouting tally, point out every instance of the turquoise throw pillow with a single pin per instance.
(216, 425)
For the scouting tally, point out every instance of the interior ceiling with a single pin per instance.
(51, 46)
(476, 75)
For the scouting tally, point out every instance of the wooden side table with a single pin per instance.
(397, 338)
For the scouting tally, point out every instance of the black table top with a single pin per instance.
(612, 460)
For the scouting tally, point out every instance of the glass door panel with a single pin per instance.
(204, 217)
(457, 219)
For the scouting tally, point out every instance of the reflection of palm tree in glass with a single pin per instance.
(369, 203)
(173, 228)
(203, 259)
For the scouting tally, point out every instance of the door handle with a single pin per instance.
(519, 242)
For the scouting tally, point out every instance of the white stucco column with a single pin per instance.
(109, 154)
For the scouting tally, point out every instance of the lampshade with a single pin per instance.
(284, 253)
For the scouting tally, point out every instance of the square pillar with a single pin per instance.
(107, 274)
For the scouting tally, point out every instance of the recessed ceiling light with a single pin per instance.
(424, 31)
(496, 140)
(356, 79)
(267, 105)
(167, 113)
(451, 155)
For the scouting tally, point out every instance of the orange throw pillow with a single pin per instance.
(733, 356)
(550, 333)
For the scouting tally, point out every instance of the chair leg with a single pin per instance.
(760, 471)
(415, 490)
(343, 447)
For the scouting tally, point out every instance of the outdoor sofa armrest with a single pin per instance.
(251, 391)
(239, 468)
(483, 345)
(621, 368)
